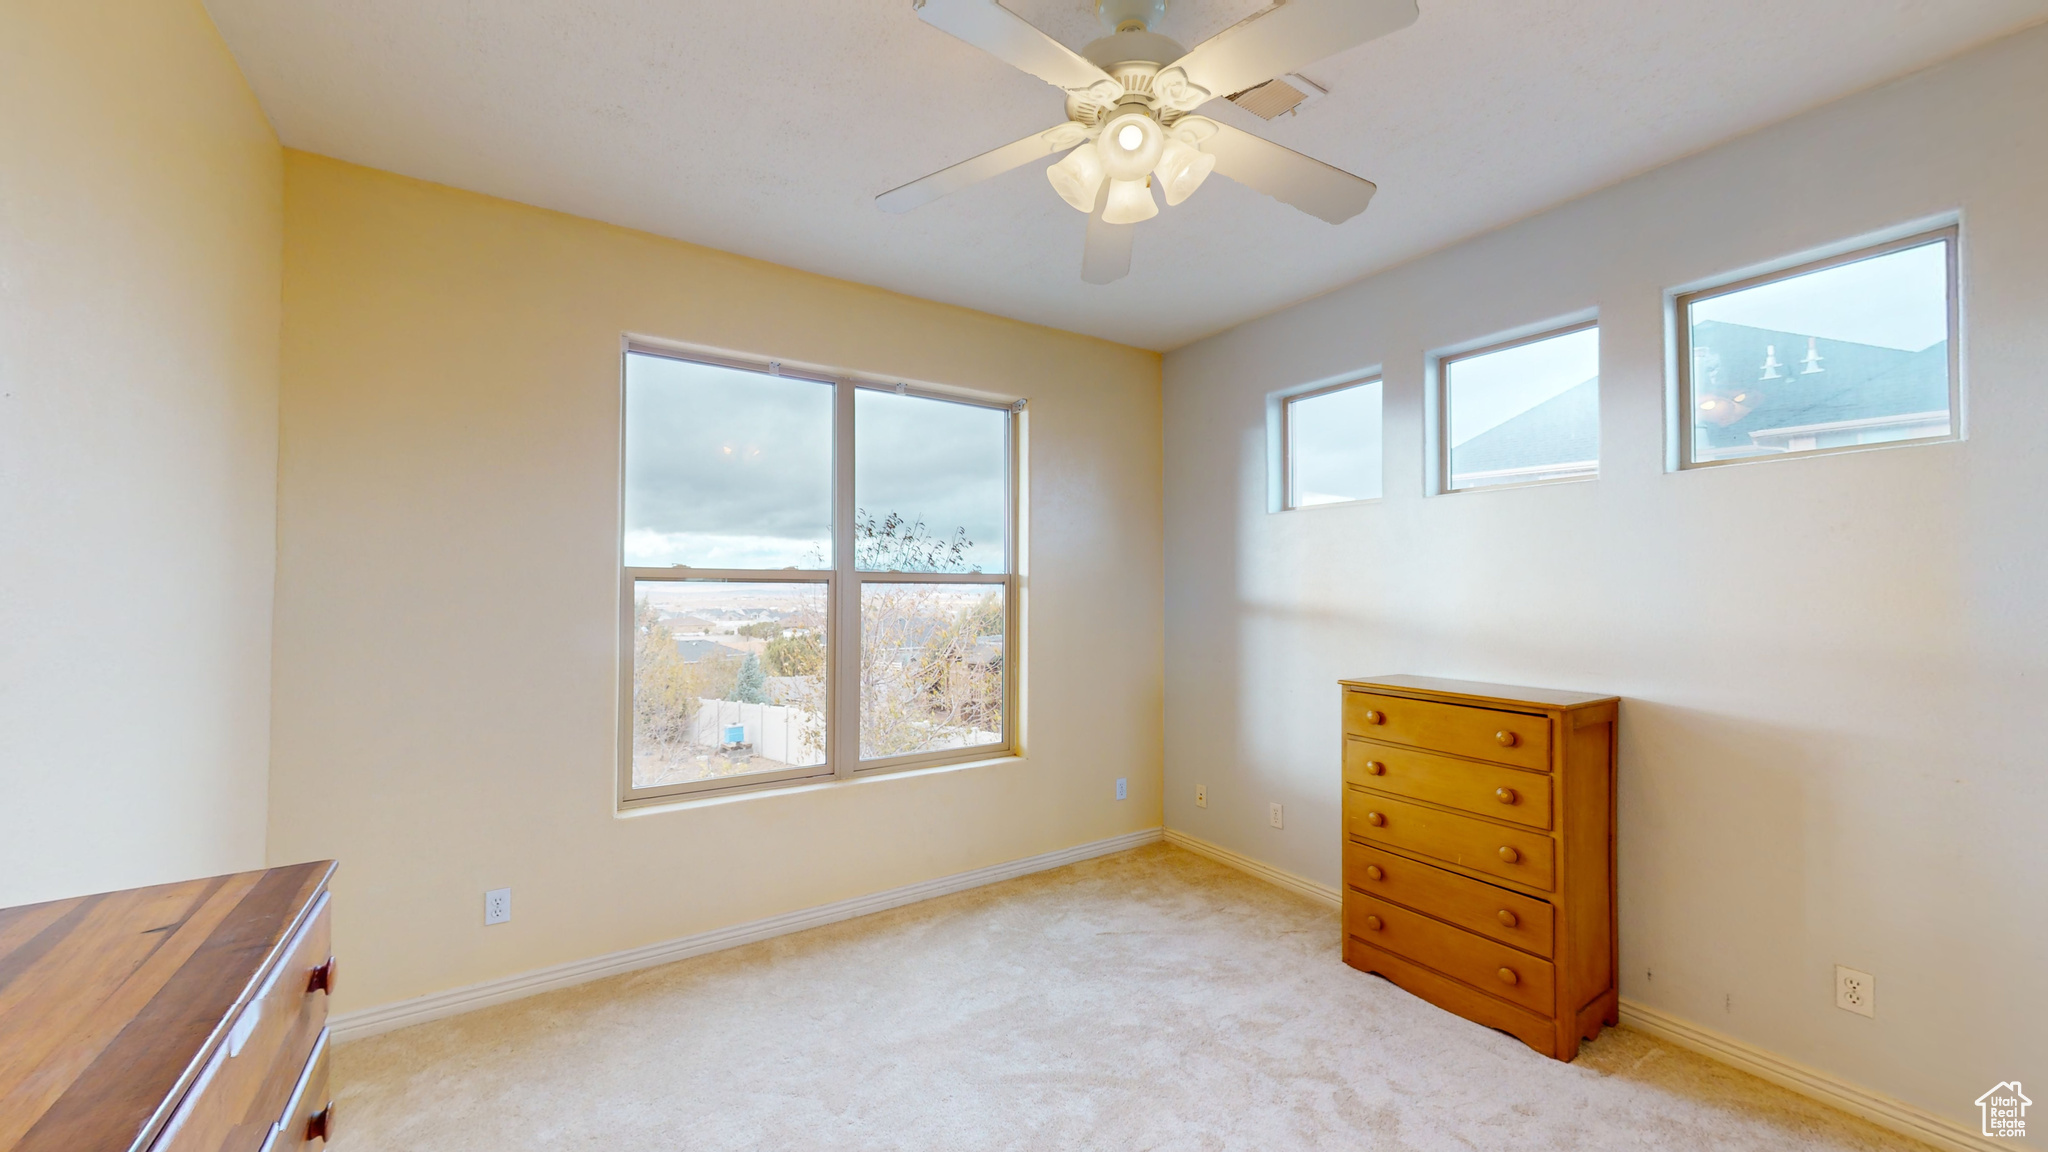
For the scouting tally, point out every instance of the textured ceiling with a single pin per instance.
(766, 127)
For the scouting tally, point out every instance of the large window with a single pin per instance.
(817, 577)
(1522, 412)
(1829, 356)
(1331, 444)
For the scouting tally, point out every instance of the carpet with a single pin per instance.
(1147, 1000)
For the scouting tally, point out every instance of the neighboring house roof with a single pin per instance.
(689, 624)
(1855, 382)
(695, 650)
(1564, 429)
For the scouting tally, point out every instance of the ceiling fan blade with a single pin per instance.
(1106, 256)
(1009, 37)
(1283, 39)
(993, 163)
(1287, 176)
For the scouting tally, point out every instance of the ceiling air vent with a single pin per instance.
(1278, 96)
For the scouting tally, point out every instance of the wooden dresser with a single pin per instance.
(1479, 852)
(186, 1017)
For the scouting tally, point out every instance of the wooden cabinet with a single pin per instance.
(186, 1017)
(1479, 851)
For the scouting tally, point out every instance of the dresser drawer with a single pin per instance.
(1488, 789)
(1491, 967)
(1508, 917)
(308, 1122)
(242, 1093)
(1481, 733)
(1497, 850)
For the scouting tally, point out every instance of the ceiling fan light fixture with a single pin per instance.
(1129, 202)
(1078, 177)
(1131, 163)
(1181, 170)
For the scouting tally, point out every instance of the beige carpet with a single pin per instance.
(1150, 1000)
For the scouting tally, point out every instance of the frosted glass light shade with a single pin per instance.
(1131, 163)
(1129, 202)
(1181, 170)
(1078, 177)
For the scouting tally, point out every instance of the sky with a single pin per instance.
(1898, 300)
(1336, 445)
(727, 468)
(1487, 391)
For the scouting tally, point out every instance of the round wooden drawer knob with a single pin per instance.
(320, 1125)
(1506, 918)
(1509, 854)
(1507, 976)
(1372, 922)
(1506, 739)
(1505, 795)
(1373, 716)
(1372, 871)
(1375, 768)
(1375, 819)
(321, 979)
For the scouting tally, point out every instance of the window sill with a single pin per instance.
(631, 809)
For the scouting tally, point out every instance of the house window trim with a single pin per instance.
(1679, 317)
(1284, 403)
(843, 583)
(1440, 410)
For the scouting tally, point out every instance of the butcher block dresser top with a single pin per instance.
(112, 1005)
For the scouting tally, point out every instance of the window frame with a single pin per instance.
(1288, 501)
(843, 583)
(1680, 318)
(1442, 365)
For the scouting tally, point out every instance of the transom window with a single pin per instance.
(1830, 356)
(1523, 411)
(1331, 444)
(817, 577)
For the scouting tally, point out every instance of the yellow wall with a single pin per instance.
(447, 586)
(141, 217)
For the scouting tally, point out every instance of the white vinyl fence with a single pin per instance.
(775, 730)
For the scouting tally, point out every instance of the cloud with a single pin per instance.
(729, 468)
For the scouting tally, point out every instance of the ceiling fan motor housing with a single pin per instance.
(1119, 15)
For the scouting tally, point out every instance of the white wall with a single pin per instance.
(1833, 741)
(141, 221)
(447, 613)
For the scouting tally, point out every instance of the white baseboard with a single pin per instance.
(1875, 1107)
(1266, 872)
(386, 1017)
(1879, 1109)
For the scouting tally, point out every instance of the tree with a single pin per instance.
(893, 544)
(751, 685)
(664, 692)
(796, 655)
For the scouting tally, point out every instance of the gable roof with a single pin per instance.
(1564, 429)
(1850, 381)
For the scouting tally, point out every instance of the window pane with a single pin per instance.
(929, 484)
(1333, 446)
(1530, 412)
(728, 679)
(931, 667)
(726, 468)
(1848, 355)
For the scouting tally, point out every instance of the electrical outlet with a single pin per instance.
(1855, 991)
(497, 905)
(1122, 792)
(1273, 816)
(1201, 795)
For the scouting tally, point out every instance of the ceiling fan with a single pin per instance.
(1130, 96)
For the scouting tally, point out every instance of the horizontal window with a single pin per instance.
(1331, 444)
(1840, 354)
(1522, 412)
